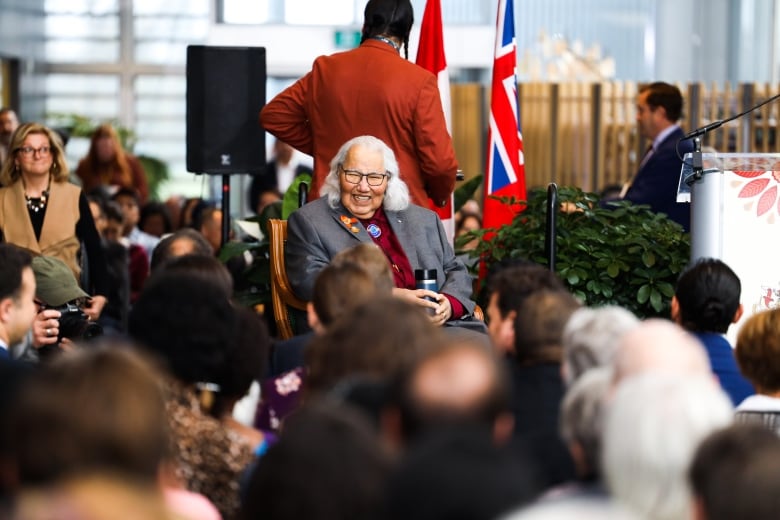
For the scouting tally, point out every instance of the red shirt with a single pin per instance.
(381, 233)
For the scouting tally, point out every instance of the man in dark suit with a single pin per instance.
(278, 174)
(17, 297)
(658, 108)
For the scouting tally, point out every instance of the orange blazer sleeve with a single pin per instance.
(285, 116)
(438, 165)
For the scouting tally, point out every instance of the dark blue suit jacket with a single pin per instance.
(724, 366)
(656, 181)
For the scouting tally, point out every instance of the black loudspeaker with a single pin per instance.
(225, 93)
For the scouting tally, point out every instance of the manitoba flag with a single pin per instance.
(505, 171)
(430, 56)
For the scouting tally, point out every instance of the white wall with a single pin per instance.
(291, 49)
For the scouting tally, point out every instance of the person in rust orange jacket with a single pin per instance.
(371, 90)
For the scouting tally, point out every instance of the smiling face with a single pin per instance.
(361, 199)
(36, 163)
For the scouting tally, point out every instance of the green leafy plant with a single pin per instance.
(624, 255)
(466, 191)
(253, 284)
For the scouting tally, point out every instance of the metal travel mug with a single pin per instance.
(426, 279)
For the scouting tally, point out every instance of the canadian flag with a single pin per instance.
(430, 56)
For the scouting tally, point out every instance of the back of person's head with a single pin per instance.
(184, 241)
(369, 257)
(206, 268)
(14, 260)
(388, 18)
(734, 474)
(539, 326)
(247, 359)
(512, 285)
(591, 337)
(98, 410)
(582, 419)
(507, 286)
(458, 473)
(188, 322)
(340, 288)
(203, 214)
(327, 464)
(453, 384)
(657, 345)
(758, 350)
(653, 426)
(664, 95)
(375, 340)
(707, 295)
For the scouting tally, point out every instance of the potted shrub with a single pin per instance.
(624, 255)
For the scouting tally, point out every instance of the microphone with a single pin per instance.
(703, 130)
(717, 124)
(698, 163)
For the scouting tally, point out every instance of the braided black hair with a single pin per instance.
(389, 18)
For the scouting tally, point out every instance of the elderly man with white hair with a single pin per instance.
(365, 200)
(591, 338)
(660, 346)
(654, 424)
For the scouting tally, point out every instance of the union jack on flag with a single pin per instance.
(505, 171)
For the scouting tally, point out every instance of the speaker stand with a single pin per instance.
(225, 208)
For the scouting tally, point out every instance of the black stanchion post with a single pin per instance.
(551, 225)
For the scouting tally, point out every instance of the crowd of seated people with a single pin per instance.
(393, 406)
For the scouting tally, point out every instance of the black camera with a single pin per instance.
(75, 325)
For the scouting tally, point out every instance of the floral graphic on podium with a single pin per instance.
(761, 187)
(769, 299)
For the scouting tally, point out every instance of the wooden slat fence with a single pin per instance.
(585, 135)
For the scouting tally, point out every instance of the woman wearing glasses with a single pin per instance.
(42, 212)
(363, 200)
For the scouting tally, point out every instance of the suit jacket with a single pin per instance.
(537, 393)
(315, 233)
(656, 181)
(267, 180)
(724, 366)
(370, 90)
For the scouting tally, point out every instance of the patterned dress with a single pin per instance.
(209, 458)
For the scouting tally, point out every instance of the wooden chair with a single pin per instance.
(282, 296)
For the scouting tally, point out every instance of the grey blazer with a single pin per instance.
(315, 233)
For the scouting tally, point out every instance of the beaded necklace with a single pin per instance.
(36, 204)
(387, 41)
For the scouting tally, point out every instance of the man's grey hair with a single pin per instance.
(582, 414)
(591, 338)
(397, 193)
(653, 426)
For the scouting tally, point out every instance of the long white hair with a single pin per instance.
(397, 193)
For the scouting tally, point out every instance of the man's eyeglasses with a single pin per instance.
(373, 179)
(43, 151)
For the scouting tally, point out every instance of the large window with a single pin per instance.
(341, 12)
(124, 60)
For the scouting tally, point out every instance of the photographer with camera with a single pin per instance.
(61, 320)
